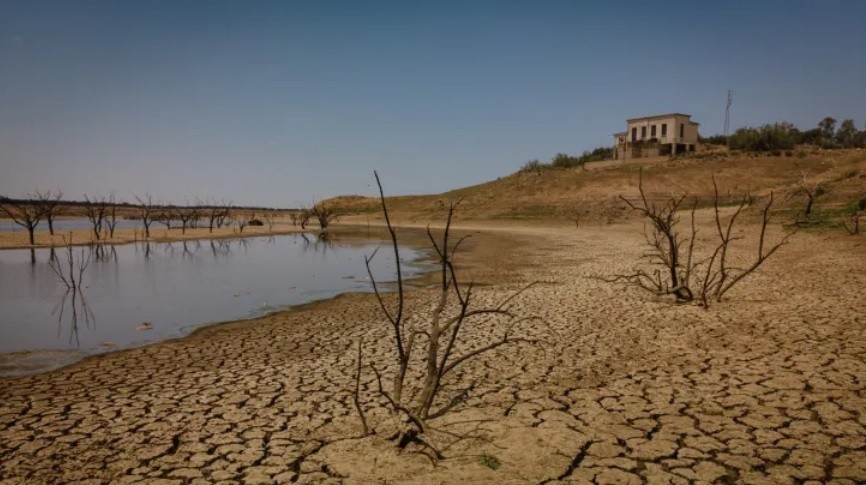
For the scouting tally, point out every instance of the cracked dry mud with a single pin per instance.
(768, 387)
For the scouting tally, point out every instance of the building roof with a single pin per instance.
(668, 115)
(621, 133)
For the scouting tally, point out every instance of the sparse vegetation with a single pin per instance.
(95, 210)
(489, 461)
(146, 212)
(325, 214)
(437, 337)
(675, 268)
(24, 213)
(811, 188)
(563, 160)
(51, 208)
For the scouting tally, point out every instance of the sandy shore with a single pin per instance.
(18, 239)
(768, 387)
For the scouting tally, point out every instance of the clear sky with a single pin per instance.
(277, 103)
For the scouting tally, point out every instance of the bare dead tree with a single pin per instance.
(719, 275)
(224, 214)
(852, 223)
(216, 214)
(304, 216)
(268, 216)
(357, 399)
(324, 214)
(25, 213)
(811, 188)
(418, 403)
(242, 222)
(51, 208)
(664, 243)
(681, 275)
(166, 216)
(574, 215)
(111, 215)
(186, 215)
(95, 209)
(147, 212)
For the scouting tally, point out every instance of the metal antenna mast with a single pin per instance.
(728, 113)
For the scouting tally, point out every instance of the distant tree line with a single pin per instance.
(563, 160)
(784, 136)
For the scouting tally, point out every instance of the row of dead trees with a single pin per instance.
(103, 214)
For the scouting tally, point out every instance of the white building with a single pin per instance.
(652, 136)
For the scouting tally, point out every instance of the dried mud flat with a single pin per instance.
(768, 387)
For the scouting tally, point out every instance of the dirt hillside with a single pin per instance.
(594, 190)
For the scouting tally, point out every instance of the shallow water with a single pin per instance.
(64, 225)
(133, 295)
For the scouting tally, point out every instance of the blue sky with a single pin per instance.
(277, 103)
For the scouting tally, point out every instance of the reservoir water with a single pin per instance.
(136, 294)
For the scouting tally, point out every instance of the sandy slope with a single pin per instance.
(769, 387)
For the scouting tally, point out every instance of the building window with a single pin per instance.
(682, 130)
(653, 131)
(664, 130)
(634, 134)
(643, 132)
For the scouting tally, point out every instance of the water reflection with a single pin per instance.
(70, 272)
(173, 286)
(321, 243)
(78, 304)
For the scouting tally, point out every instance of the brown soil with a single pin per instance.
(594, 191)
(767, 387)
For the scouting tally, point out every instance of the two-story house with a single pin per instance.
(652, 136)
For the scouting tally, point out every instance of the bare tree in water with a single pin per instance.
(51, 207)
(146, 212)
(95, 210)
(26, 213)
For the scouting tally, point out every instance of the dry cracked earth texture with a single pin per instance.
(766, 387)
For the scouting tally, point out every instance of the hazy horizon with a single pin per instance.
(278, 103)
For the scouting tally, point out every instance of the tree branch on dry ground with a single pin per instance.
(438, 338)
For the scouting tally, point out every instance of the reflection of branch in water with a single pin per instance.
(71, 274)
(220, 247)
(321, 244)
(98, 251)
(186, 252)
(77, 301)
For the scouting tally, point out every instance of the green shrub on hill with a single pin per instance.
(770, 137)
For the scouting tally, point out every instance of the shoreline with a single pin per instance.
(345, 233)
(84, 237)
(10, 240)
